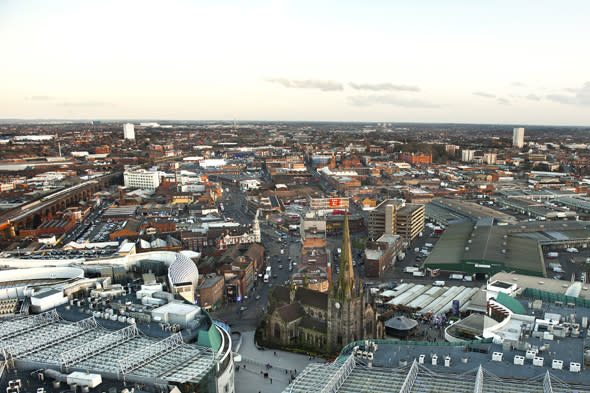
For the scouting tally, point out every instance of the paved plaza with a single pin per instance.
(250, 378)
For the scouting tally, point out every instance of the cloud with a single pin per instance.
(579, 96)
(503, 101)
(583, 94)
(561, 99)
(323, 85)
(40, 98)
(362, 101)
(533, 97)
(517, 84)
(382, 87)
(84, 103)
(483, 94)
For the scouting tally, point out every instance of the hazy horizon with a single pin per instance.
(455, 62)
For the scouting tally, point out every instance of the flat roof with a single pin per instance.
(484, 242)
(177, 308)
(549, 285)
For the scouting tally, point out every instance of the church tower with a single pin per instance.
(345, 301)
(256, 229)
(346, 285)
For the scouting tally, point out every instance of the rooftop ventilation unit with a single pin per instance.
(518, 360)
(434, 360)
(497, 356)
(421, 359)
(575, 367)
(538, 361)
(557, 364)
(447, 361)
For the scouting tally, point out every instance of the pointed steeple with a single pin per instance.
(346, 280)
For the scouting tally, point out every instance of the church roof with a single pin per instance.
(312, 298)
(290, 312)
(281, 294)
(314, 324)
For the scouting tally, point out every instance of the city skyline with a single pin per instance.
(456, 62)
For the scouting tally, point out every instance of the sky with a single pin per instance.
(460, 61)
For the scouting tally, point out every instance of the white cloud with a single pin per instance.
(483, 94)
(389, 100)
(323, 85)
(579, 96)
(382, 87)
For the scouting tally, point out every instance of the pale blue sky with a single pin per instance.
(498, 61)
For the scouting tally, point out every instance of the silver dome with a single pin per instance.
(183, 270)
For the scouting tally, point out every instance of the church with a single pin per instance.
(324, 322)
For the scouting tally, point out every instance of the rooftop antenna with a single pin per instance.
(59, 148)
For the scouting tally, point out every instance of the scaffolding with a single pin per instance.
(410, 378)
(187, 363)
(46, 336)
(19, 326)
(364, 379)
(547, 383)
(101, 344)
(49, 340)
(150, 353)
(479, 381)
(338, 378)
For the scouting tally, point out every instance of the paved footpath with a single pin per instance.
(250, 380)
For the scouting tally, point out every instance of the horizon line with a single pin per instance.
(75, 120)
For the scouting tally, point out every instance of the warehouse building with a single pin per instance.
(485, 247)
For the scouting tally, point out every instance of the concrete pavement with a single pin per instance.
(250, 380)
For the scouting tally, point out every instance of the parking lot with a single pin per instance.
(568, 265)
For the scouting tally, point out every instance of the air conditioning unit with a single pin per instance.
(497, 356)
(575, 367)
(518, 360)
(557, 364)
(434, 360)
(531, 353)
(447, 361)
(538, 361)
(421, 359)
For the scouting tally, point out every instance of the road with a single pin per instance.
(250, 318)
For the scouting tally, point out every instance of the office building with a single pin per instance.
(145, 180)
(410, 221)
(467, 155)
(382, 220)
(490, 158)
(518, 137)
(395, 217)
(128, 131)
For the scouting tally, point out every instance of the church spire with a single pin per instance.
(346, 280)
